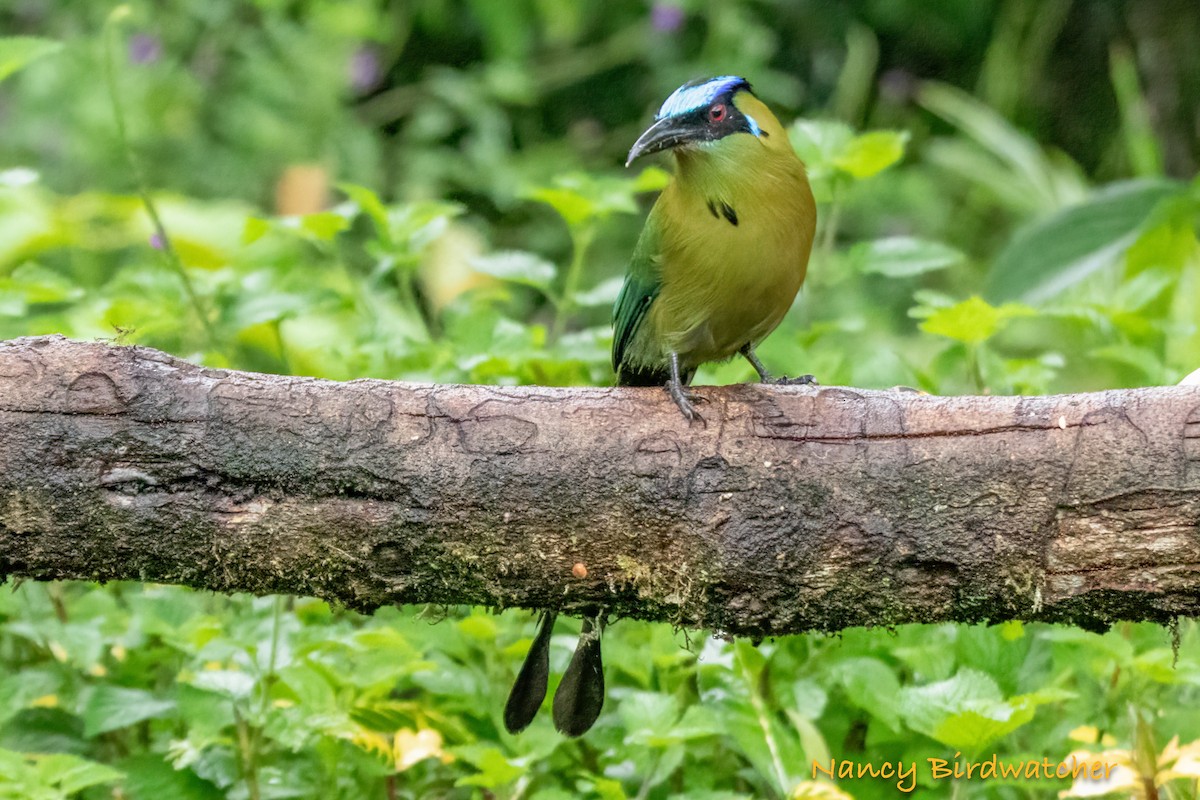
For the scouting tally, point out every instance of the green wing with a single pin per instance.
(642, 284)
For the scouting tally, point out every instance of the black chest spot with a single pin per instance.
(722, 209)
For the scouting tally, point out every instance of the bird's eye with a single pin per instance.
(717, 112)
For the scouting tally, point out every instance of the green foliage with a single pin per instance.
(49, 777)
(20, 51)
(1064, 248)
(199, 696)
(477, 232)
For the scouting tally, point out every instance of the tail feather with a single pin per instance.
(580, 694)
(529, 689)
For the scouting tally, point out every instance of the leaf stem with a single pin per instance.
(832, 220)
(582, 238)
(163, 240)
(764, 722)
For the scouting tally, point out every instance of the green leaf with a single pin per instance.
(580, 198)
(651, 179)
(608, 789)
(1010, 161)
(370, 204)
(819, 143)
(414, 226)
(602, 294)
(230, 683)
(903, 256)
(17, 52)
(41, 284)
(1058, 252)
(968, 712)
(517, 267)
(495, 770)
(871, 153)
(324, 225)
(74, 774)
(148, 777)
(112, 707)
(872, 686)
(24, 775)
(255, 229)
(973, 320)
(571, 206)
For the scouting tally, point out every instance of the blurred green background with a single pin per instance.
(434, 191)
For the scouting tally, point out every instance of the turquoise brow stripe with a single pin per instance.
(689, 98)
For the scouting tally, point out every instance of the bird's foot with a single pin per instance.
(802, 380)
(686, 401)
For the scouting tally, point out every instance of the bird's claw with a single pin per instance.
(686, 401)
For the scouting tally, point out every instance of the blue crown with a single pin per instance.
(698, 94)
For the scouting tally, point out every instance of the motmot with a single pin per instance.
(717, 266)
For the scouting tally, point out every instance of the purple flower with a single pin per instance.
(666, 18)
(145, 49)
(365, 70)
(156, 242)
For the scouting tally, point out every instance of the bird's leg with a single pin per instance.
(765, 377)
(681, 396)
(580, 694)
(529, 689)
(759, 367)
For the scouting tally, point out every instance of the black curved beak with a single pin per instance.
(662, 135)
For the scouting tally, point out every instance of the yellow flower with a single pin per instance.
(410, 747)
(816, 790)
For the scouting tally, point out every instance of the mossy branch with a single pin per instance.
(790, 509)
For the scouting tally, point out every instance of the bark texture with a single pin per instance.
(790, 509)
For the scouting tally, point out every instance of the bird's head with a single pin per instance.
(698, 114)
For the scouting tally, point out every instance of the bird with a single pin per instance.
(717, 266)
(726, 246)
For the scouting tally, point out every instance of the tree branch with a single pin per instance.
(791, 509)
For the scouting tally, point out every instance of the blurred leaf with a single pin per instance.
(255, 229)
(608, 789)
(148, 777)
(1170, 245)
(517, 267)
(494, 770)
(1147, 363)
(49, 777)
(602, 294)
(580, 198)
(17, 52)
(230, 683)
(370, 204)
(973, 320)
(1048, 183)
(820, 143)
(44, 730)
(871, 153)
(968, 712)
(35, 283)
(1059, 251)
(113, 707)
(873, 687)
(903, 256)
(324, 225)
(651, 179)
(1141, 143)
